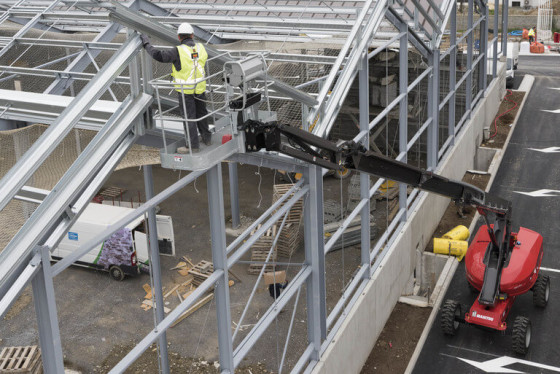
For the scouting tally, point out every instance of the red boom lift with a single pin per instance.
(500, 264)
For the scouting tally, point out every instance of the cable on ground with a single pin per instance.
(504, 113)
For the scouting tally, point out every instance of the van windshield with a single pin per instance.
(509, 64)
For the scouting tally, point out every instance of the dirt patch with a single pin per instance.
(499, 130)
(398, 340)
(23, 300)
(148, 363)
(456, 214)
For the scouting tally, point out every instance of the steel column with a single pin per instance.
(47, 320)
(219, 258)
(234, 195)
(403, 111)
(155, 268)
(483, 70)
(315, 258)
(364, 177)
(452, 71)
(433, 111)
(468, 84)
(505, 21)
(495, 36)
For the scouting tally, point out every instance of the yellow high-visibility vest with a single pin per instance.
(189, 77)
(532, 32)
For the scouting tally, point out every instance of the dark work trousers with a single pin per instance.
(196, 108)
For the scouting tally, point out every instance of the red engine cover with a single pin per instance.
(520, 274)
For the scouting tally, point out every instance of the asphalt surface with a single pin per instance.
(523, 170)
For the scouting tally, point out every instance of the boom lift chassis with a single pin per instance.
(500, 264)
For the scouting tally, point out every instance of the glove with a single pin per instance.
(145, 40)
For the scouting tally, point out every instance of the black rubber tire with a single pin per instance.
(449, 311)
(346, 173)
(521, 335)
(541, 291)
(116, 273)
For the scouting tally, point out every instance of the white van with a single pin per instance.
(122, 254)
(511, 62)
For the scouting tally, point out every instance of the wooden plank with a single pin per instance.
(171, 291)
(188, 260)
(194, 308)
(150, 303)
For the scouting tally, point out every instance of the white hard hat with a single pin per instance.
(185, 28)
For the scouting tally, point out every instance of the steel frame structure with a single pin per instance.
(416, 25)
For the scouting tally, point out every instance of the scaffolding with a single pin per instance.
(318, 58)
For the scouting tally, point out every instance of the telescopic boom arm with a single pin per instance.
(307, 147)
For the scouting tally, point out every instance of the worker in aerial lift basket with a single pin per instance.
(188, 60)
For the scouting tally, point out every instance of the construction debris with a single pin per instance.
(21, 360)
(194, 308)
(201, 272)
(151, 304)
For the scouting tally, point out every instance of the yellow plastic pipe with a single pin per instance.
(451, 247)
(457, 233)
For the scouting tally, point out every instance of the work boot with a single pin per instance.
(207, 139)
(185, 150)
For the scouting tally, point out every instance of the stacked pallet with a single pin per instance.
(201, 272)
(260, 250)
(295, 214)
(290, 237)
(21, 360)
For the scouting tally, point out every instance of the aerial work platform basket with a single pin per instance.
(235, 100)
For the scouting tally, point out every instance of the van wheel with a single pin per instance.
(116, 273)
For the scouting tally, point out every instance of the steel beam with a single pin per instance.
(315, 259)
(161, 327)
(219, 258)
(403, 113)
(468, 87)
(155, 269)
(59, 86)
(364, 177)
(433, 112)
(340, 89)
(15, 179)
(452, 71)
(52, 219)
(47, 320)
(234, 195)
(148, 26)
(143, 209)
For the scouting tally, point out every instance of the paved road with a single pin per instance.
(522, 170)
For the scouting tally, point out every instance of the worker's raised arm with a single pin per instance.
(161, 55)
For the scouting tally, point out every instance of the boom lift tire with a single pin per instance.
(521, 335)
(450, 310)
(116, 273)
(541, 291)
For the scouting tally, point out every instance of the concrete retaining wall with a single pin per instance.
(514, 22)
(354, 341)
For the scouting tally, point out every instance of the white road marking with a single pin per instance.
(555, 88)
(551, 270)
(557, 111)
(546, 150)
(541, 193)
(496, 365)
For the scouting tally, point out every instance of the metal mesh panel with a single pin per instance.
(14, 144)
